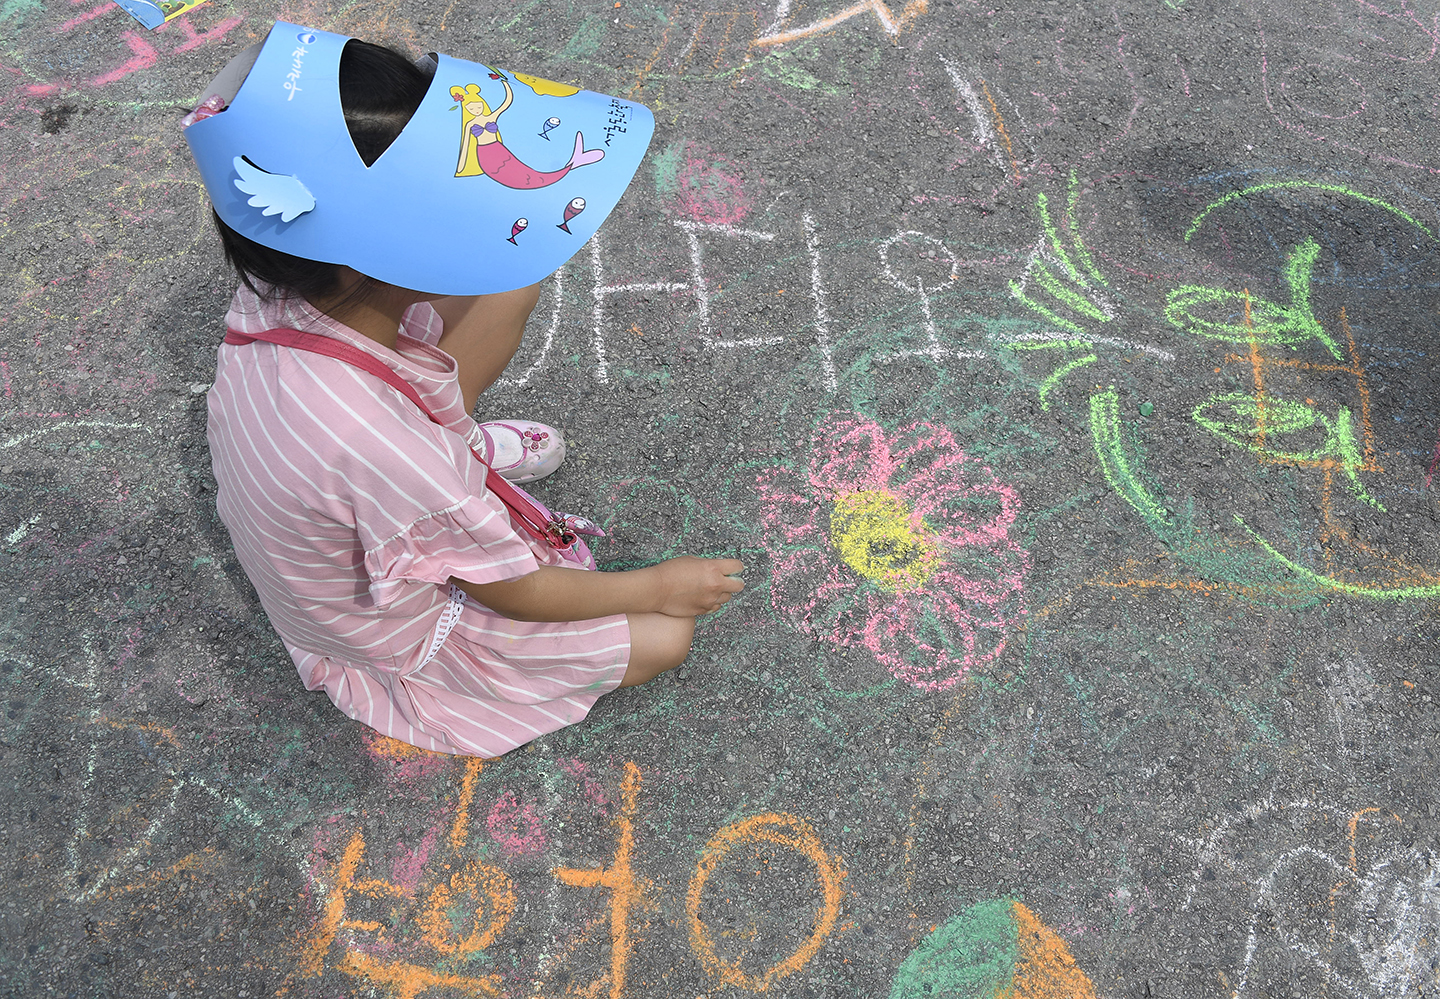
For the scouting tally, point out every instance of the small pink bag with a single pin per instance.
(560, 532)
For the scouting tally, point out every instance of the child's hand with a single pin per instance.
(691, 586)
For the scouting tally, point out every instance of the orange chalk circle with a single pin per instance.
(780, 830)
(489, 888)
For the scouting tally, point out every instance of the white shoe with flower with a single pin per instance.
(522, 451)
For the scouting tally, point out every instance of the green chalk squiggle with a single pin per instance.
(1054, 377)
(1292, 184)
(1269, 322)
(1352, 589)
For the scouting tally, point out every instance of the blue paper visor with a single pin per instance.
(495, 182)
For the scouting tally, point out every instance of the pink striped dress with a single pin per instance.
(350, 511)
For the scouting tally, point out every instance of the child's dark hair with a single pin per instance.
(380, 89)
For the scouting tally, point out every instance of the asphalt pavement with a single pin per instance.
(1061, 372)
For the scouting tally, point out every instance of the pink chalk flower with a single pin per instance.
(900, 544)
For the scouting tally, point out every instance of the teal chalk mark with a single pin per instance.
(972, 956)
(13, 9)
(1294, 184)
(1124, 469)
(586, 40)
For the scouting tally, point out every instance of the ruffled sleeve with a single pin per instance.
(472, 540)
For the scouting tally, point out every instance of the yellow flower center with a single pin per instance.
(872, 532)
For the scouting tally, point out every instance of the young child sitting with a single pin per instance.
(382, 290)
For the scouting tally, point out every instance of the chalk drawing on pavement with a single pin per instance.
(1308, 405)
(892, 24)
(898, 543)
(439, 915)
(997, 948)
(1333, 899)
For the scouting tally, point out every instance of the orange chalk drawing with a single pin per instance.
(498, 892)
(407, 980)
(780, 830)
(625, 891)
(313, 959)
(1045, 969)
(461, 828)
(1000, 128)
(466, 912)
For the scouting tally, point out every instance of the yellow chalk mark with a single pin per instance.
(877, 536)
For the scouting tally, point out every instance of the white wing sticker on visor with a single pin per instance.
(278, 194)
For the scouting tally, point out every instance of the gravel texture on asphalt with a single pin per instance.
(1060, 371)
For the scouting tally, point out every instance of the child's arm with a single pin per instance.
(680, 587)
(482, 333)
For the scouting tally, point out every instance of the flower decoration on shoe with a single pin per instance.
(900, 544)
(522, 451)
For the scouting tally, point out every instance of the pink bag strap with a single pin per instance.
(542, 527)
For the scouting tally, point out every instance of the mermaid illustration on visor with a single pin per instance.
(483, 152)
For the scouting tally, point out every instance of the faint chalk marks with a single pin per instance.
(36, 434)
(602, 291)
(701, 289)
(1346, 694)
(914, 282)
(892, 24)
(822, 314)
(1323, 91)
(1332, 899)
(559, 292)
(984, 133)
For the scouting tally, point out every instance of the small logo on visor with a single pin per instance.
(306, 37)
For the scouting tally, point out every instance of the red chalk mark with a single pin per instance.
(89, 15)
(515, 826)
(143, 57)
(1429, 472)
(409, 864)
